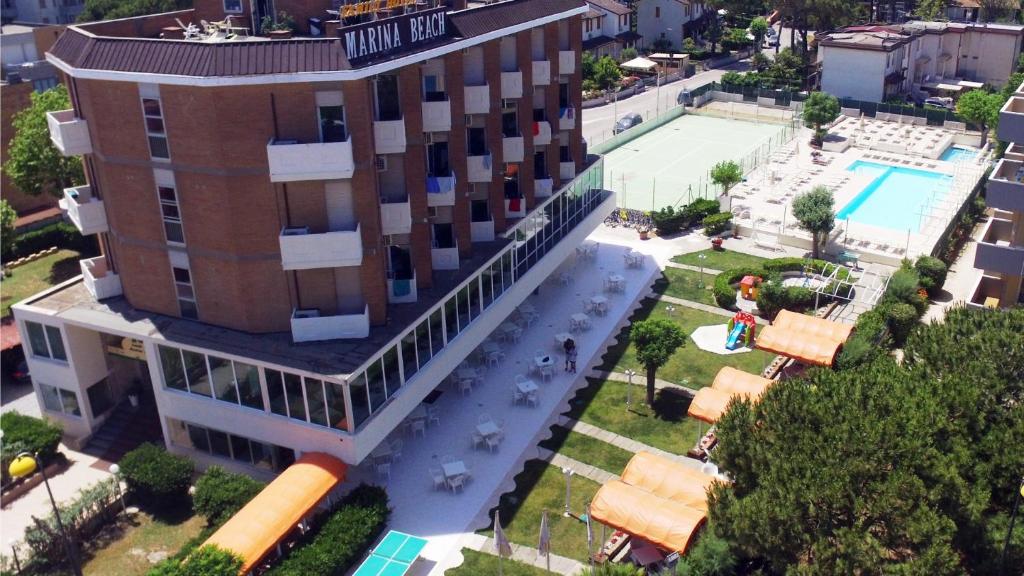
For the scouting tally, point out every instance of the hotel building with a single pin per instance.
(304, 232)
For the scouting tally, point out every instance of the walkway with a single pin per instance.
(695, 305)
(960, 279)
(641, 380)
(706, 270)
(589, 472)
(627, 444)
(526, 555)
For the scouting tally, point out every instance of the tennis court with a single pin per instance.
(670, 165)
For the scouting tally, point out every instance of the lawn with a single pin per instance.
(603, 404)
(587, 450)
(719, 259)
(689, 366)
(37, 276)
(687, 284)
(539, 487)
(477, 563)
(121, 549)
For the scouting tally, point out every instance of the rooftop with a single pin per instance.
(889, 37)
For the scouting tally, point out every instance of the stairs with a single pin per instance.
(124, 430)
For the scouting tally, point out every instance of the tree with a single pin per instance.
(656, 340)
(726, 174)
(981, 108)
(7, 234)
(759, 62)
(815, 212)
(820, 109)
(930, 9)
(993, 10)
(758, 28)
(219, 494)
(208, 560)
(606, 72)
(627, 54)
(35, 165)
(112, 9)
(714, 31)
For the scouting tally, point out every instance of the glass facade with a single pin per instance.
(60, 400)
(230, 446)
(46, 341)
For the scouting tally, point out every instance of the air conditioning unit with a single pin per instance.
(382, 163)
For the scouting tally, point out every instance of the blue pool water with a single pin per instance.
(896, 196)
(954, 153)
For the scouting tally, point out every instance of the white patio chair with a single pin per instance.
(466, 387)
(493, 441)
(418, 426)
(494, 357)
(396, 446)
(437, 475)
(532, 399)
(484, 418)
(447, 459)
(565, 278)
(501, 428)
(433, 415)
(456, 482)
(383, 470)
(547, 373)
(588, 306)
(519, 378)
(517, 396)
(476, 439)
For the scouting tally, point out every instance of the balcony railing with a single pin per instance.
(309, 326)
(1014, 151)
(566, 170)
(512, 149)
(445, 258)
(479, 168)
(988, 292)
(402, 290)
(437, 116)
(478, 99)
(69, 133)
(567, 118)
(996, 253)
(481, 231)
(541, 72)
(292, 161)
(98, 279)
(389, 136)
(301, 250)
(1011, 120)
(440, 190)
(566, 61)
(395, 216)
(1005, 189)
(542, 133)
(512, 84)
(543, 187)
(85, 211)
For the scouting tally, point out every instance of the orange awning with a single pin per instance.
(277, 509)
(666, 523)
(799, 346)
(668, 479)
(708, 404)
(735, 381)
(810, 326)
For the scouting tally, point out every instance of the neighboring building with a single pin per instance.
(42, 11)
(963, 10)
(1000, 251)
(874, 63)
(295, 231)
(607, 28)
(671, 21)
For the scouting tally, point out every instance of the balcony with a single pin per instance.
(402, 290)
(395, 216)
(85, 211)
(437, 116)
(541, 72)
(69, 133)
(99, 280)
(515, 207)
(309, 326)
(566, 171)
(1014, 152)
(441, 190)
(1011, 120)
(445, 258)
(301, 250)
(479, 168)
(292, 161)
(566, 61)
(567, 119)
(1005, 189)
(478, 99)
(996, 252)
(389, 136)
(512, 84)
(481, 231)
(542, 133)
(512, 149)
(543, 187)
(987, 293)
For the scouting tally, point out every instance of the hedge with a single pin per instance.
(343, 539)
(901, 319)
(796, 297)
(868, 341)
(156, 477)
(724, 291)
(60, 234)
(27, 434)
(669, 220)
(220, 494)
(716, 223)
(931, 273)
(773, 296)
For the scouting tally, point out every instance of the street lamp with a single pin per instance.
(629, 389)
(701, 258)
(116, 471)
(568, 487)
(1009, 532)
(24, 465)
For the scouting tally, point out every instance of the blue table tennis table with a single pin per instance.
(393, 556)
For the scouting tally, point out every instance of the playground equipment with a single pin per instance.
(742, 325)
(749, 286)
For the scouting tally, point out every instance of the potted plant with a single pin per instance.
(644, 231)
(716, 243)
(281, 29)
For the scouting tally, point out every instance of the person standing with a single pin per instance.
(568, 346)
(570, 358)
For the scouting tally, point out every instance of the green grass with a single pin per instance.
(719, 259)
(121, 548)
(37, 276)
(587, 450)
(687, 284)
(603, 404)
(479, 564)
(689, 366)
(540, 487)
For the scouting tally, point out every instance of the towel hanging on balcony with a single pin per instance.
(487, 161)
(401, 287)
(536, 128)
(433, 185)
(513, 204)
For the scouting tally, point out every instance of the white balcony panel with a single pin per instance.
(445, 258)
(481, 231)
(402, 291)
(478, 99)
(309, 326)
(68, 133)
(389, 136)
(293, 161)
(541, 72)
(566, 61)
(396, 218)
(543, 187)
(567, 119)
(85, 211)
(566, 171)
(512, 149)
(542, 137)
(99, 280)
(303, 251)
(512, 212)
(441, 191)
(512, 84)
(1011, 120)
(479, 168)
(437, 116)
(1005, 189)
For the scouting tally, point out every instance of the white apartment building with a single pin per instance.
(607, 28)
(670, 20)
(42, 11)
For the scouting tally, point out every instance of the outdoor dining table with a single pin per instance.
(466, 374)
(580, 320)
(488, 428)
(600, 303)
(542, 361)
(560, 339)
(382, 453)
(454, 468)
(526, 386)
(527, 308)
(616, 282)
(418, 413)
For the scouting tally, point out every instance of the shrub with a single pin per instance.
(932, 274)
(61, 235)
(206, 561)
(903, 285)
(773, 297)
(724, 291)
(343, 539)
(788, 264)
(716, 223)
(667, 221)
(219, 494)
(27, 434)
(699, 209)
(157, 477)
(901, 319)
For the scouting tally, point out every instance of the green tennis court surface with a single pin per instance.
(393, 556)
(670, 165)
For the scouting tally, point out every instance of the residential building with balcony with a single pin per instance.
(1000, 250)
(608, 28)
(302, 237)
(664, 24)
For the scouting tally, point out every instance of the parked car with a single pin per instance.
(771, 38)
(941, 102)
(684, 98)
(20, 373)
(628, 121)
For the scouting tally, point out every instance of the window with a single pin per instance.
(221, 378)
(154, 117)
(60, 400)
(657, 11)
(388, 103)
(171, 214)
(230, 446)
(101, 398)
(332, 124)
(186, 295)
(44, 84)
(233, 6)
(46, 341)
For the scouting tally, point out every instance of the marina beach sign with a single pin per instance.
(390, 36)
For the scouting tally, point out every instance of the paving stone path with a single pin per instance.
(627, 444)
(526, 555)
(710, 271)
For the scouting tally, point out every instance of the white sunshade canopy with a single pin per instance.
(639, 63)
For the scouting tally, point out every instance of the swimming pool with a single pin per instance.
(954, 153)
(895, 197)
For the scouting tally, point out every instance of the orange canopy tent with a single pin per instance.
(668, 479)
(277, 509)
(735, 381)
(799, 346)
(709, 404)
(666, 523)
(810, 326)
